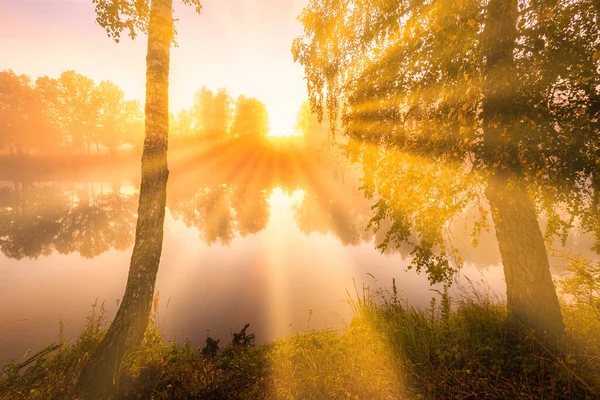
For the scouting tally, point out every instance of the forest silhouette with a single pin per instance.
(72, 115)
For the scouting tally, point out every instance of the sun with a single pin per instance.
(282, 125)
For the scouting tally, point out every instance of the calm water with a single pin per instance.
(275, 246)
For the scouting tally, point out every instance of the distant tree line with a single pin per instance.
(216, 115)
(72, 114)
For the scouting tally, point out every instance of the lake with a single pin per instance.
(279, 241)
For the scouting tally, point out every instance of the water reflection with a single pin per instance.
(223, 212)
(39, 218)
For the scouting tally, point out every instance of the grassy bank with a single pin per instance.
(388, 350)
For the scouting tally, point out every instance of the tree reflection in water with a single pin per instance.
(90, 218)
(40, 218)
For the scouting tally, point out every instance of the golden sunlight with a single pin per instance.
(282, 124)
(336, 199)
(280, 200)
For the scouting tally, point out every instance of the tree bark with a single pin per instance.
(531, 296)
(127, 330)
(530, 293)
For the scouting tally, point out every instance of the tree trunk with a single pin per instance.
(531, 295)
(127, 330)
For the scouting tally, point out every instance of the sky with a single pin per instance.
(241, 45)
